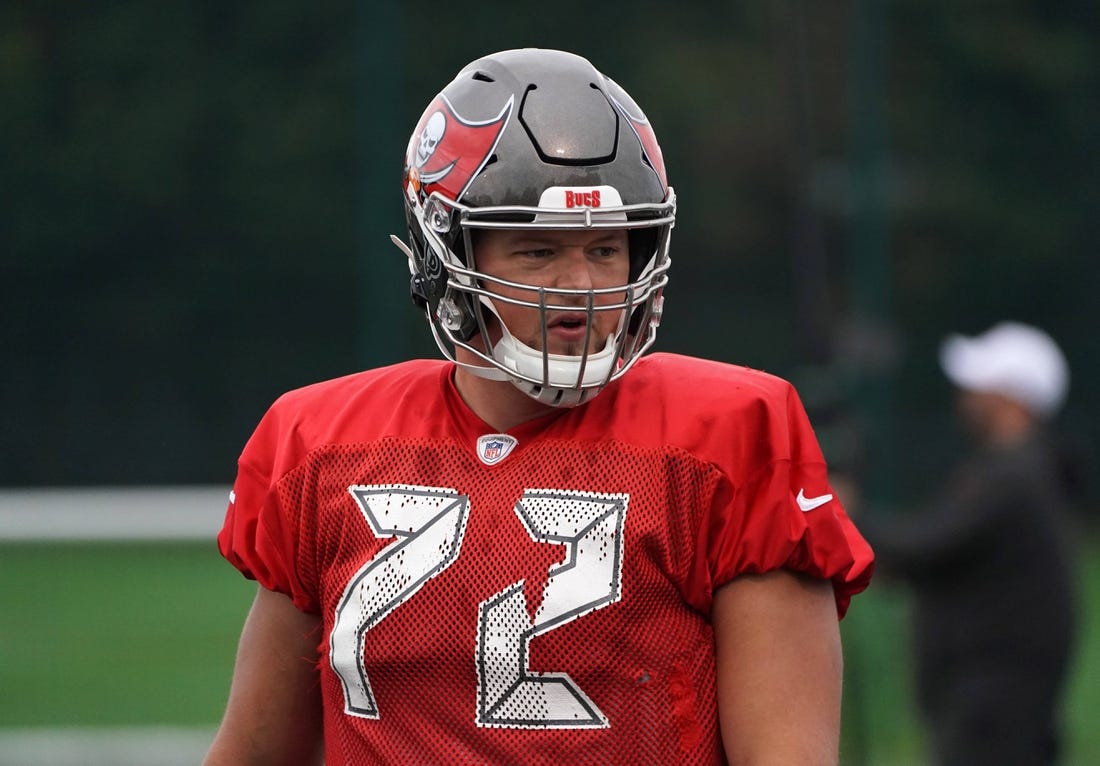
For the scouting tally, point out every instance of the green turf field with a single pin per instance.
(128, 634)
(116, 634)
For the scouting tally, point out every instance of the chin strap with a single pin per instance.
(488, 373)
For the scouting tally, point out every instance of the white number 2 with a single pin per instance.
(590, 526)
(430, 523)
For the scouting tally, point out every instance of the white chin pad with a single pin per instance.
(560, 371)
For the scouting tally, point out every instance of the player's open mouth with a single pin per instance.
(570, 327)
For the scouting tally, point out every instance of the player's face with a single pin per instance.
(557, 259)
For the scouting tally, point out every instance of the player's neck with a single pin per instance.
(497, 402)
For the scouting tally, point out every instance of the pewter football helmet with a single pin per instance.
(535, 139)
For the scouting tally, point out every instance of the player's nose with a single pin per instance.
(574, 270)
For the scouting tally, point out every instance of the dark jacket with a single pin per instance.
(991, 571)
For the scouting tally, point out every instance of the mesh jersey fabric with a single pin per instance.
(549, 608)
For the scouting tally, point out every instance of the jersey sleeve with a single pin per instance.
(785, 515)
(258, 537)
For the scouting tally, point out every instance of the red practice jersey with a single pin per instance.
(540, 596)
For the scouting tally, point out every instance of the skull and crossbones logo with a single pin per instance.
(430, 138)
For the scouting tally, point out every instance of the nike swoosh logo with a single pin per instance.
(809, 503)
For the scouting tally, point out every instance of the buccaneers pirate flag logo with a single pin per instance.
(446, 151)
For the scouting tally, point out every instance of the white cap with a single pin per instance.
(1013, 359)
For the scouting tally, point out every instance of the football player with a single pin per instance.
(547, 547)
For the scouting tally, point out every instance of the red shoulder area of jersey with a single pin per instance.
(704, 407)
(447, 150)
(327, 395)
(359, 407)
(688, 386)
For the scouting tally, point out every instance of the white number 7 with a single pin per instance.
(431, 523)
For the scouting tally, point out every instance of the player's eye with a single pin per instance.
(543, 252)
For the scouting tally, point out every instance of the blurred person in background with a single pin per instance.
(989, 562)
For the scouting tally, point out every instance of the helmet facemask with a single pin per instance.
(465, 296)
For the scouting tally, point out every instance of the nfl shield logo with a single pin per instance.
(492, 448)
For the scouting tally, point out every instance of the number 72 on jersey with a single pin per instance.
(428, 524)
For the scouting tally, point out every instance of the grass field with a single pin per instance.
(143, 634)
(117, 634)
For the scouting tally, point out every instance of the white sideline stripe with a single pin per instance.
(137, 746)
(112, 513)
